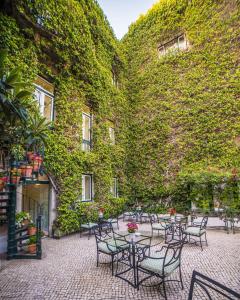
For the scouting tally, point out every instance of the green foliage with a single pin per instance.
(185, 105)
(72, 45)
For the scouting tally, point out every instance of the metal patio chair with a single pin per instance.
(162, 264)
(197, 230)
(85, 224)
(203, 287)
(107, 243)
(161, 226)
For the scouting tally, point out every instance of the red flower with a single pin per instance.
(172, 211)
(132, 227)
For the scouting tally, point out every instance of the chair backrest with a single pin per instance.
(83, 219)
(203, 286)
(204, 222)
(173, 254)
(103, 230)
(153, 218)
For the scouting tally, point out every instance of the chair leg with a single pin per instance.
(80, 232)
(137, 279)
(180, 274)
(206, 238)
(112, 265)
(201, 243)
(89, 233)
(97, 258)
(164, 289)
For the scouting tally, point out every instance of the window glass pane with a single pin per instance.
(48, 107)
(86, 127)
(112, 135)
(38, 97)
(182, 43)
(87, 187)
(113, 188)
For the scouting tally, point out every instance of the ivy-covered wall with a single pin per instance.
(185, 106)
(71, 44)
(177, 117)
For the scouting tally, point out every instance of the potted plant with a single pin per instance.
(3, 181)
(32, 244)
(32, 229)
(15, 175)
(23, 218)
(26, 170)
(100, 212)
(172, 212)
(37, 162)
(132, 228)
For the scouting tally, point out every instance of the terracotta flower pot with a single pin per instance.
(37, 162)
(26, 171)
(15, 179)
(32, 248)
(2, 185)
(32, 230)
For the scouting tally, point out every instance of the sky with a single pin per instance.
(121, 13)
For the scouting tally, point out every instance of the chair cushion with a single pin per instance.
(88, 225)
(194, 231)
(112, 246)
(112, 220)
(160, 226)
(156, 265)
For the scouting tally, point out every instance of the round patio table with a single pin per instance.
(137, 245)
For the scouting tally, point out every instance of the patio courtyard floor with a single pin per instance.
(68, 271)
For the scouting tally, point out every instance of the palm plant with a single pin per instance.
(15, 100)
(20, 120)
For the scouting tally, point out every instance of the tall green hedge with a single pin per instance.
(185, 107)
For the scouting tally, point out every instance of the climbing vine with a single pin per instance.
(71, 44)
(184, 105)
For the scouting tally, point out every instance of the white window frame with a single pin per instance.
(87, 142)
(174, 46)
(40, 101)
(83, 199)
(114, 187)
(112, 137)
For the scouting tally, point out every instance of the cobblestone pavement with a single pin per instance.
(68, 271)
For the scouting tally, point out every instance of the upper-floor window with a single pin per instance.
(44, 94)
(112, 135)
(87, 187)
(179, 43)
(86, 131)
(114, 188)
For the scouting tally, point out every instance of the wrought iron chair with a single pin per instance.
(129, 215)
(203, 286)
(107, 243)
(197, 230)
(159, 225)
(162, 264)
(85, 224)
(114, 221)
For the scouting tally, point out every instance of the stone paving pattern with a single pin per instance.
(68, 271)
